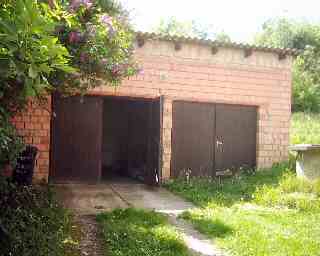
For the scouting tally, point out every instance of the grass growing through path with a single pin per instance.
(265, 213)
(134, 232)
(305, 128)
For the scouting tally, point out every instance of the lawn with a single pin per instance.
(264, 213)
(135, 232)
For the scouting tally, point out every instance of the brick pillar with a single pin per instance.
(34, 126)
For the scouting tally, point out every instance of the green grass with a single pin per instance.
(270, 212)
(305, 128)
(134, 232)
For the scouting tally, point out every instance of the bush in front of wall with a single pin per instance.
(31, 221)
(10, 144)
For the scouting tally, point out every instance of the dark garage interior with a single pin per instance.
(125, 138)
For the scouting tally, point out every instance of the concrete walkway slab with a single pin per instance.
(88, 199)
(153, 198)
(93, 199)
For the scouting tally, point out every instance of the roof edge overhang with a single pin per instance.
(215, 43)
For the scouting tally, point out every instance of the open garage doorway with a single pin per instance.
(105, 138)
(131, 139)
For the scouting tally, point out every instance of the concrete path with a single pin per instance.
(89, 199)
(92, 199)
(90, 243)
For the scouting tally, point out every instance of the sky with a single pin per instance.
(240, 19)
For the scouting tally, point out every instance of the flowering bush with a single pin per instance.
(98, 36)
(70, 46)
(65, 46)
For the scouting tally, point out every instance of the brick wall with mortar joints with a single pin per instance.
(195, 74)
(34, 126)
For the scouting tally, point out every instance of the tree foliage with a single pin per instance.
(69, 46)
(306, 68)
(194, 29)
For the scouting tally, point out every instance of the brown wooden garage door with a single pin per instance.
(211, 137)
(76, 140)
(235, 137)
(192, 138)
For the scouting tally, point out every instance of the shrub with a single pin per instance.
(69, 46)
(10, 144)
(34, 222)
(306, 90)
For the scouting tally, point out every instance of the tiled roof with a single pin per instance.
(215, 43)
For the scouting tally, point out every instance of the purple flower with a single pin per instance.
(116, 69)
(75, 4)
(140, 71)
(106, 19)
(104, 61)
(111, 32)
(87, 3)
(74, 37)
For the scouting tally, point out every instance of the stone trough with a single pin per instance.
(307, 161)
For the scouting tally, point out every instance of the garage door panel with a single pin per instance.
(76, 139)
(235, 136)
(192, 138)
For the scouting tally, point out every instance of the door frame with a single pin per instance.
(158, 126)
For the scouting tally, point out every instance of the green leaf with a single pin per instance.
(66, 68)
(28, 89)
(9, 29)
(32, 72)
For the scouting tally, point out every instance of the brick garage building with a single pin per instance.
(185, 81)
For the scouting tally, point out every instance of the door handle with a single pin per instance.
(219, 146)
(219, 143)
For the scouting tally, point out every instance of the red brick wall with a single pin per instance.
(194, 73)
(34, 126)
